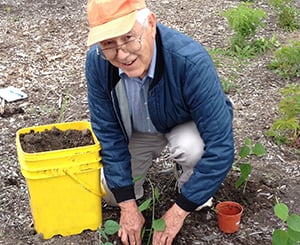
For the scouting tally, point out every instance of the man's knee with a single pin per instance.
(185, 144)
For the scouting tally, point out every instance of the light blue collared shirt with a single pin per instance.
(137, 94)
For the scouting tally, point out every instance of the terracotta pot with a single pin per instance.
(229, 216)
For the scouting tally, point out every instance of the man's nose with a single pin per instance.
(122, 52)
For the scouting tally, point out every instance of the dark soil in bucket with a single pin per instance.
(55, 139)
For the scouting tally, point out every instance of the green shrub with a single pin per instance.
(287, 61)
(286, 129)
(245, 21)
(287, 14)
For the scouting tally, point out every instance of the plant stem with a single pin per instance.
(245, 185)
(153, 211)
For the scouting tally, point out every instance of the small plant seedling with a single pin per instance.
(245, 168)
(228, 86)
(111, 227)
(63, 105)
(290, 233)
(150, 203)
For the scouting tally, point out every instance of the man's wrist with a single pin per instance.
(127, 203)
(180, 212)
(124, 193)
(128, 206)
(186, 204)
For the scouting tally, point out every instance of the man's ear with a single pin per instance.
(152, 23)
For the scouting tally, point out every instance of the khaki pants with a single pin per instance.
(185, 145)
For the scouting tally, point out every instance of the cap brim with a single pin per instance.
(111, 29)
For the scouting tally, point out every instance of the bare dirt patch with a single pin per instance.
(43, 46)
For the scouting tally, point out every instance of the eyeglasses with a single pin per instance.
(132, 45)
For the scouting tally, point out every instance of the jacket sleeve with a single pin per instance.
(212, 113)
(114, 148)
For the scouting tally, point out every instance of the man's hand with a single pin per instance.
(131, 223)
(174, 219)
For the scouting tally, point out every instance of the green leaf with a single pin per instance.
(245, 170)
(145, 205)
(291, 242)
(244, 151)
(279, 237)
(259, 149)
(159, 225)
(111, 227)
(293, 222)
(293, 235)
(108, 243)
(281, 211)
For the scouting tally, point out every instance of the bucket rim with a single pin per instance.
(40, 128)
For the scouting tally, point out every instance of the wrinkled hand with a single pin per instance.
(174, 219)
(131, 223)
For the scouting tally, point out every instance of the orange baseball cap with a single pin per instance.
(111, 18)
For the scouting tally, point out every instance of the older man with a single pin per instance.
(150, 86)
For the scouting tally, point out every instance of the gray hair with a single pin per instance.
(142, 15)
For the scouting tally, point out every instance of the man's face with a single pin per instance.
(136, 63)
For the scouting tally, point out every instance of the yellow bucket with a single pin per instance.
(64, 185)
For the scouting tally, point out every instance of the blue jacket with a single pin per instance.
(185, 87)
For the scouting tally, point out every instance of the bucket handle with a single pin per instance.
(85, 185)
